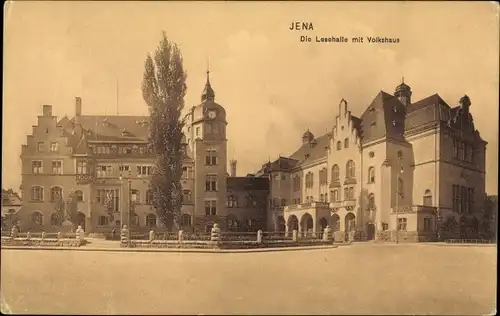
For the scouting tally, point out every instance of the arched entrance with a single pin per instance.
(323, 223)
(306, 224)
(370, 231)
(80, 219)
(350, 222)
(335, 223)
(280, 224)
(293, 223)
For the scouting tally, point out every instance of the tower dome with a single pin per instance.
(403, 93)
(307, 137)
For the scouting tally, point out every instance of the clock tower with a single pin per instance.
(207, 126)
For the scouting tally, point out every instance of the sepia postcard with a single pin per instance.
(250, 157)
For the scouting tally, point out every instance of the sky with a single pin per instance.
(273, 86)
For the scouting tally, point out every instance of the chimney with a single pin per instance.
(47, 110)
(78, 106)
(233, 168)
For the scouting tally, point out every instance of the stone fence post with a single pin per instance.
(181, 236)
(14, 231)
(80, 233)
(259, 236)
(59, 235)
(28, 235)
(295, 235)
(124, 235)
(43, 235)
(326, 233)
(215, 234)
(151, 235)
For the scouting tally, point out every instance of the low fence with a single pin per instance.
(222, 240)
(469, 241)
(44, 239)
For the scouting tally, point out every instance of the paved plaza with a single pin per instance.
(357, 279)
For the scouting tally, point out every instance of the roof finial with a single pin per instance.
(403, 79)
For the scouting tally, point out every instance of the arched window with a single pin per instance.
(335, 173)
(232, 224)
(346, 194)
(151, 221)
(339, 145)
(371, 201)
(55, 193)
(351, 169)
(276, 202)
(55, 219)
(79, 196)
(283, 202)
(428, 198)
(400, 187)
(371, 175)
(37, 218)
(346, 143)
(37, 193)
(186, 220)
(321, 198)
(307, 199)
(149, 197)
(136, 196)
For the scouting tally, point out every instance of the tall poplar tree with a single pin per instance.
(163, 90)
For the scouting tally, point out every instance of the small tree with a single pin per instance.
(72, 209)
(163, 89)
(59, 207)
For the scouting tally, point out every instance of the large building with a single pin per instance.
(413, 167)
(104, 161)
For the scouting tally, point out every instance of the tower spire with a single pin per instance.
(208, 93)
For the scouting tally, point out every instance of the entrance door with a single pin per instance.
(370, 231)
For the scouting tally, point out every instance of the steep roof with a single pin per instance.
(384, 117)
(248, 184)
(312, 151)
(112, 127)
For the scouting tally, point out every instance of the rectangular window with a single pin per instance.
(210, 207)
(81, 167)
(124, 168)
(385, 226)
(36, 167)
(462, 151)
(103, 221)
(197, 131)
(186, 197)
(456, 198)
(110, 198)
(39, 147)
(468, 156)
(144, 170)
(211, 157)
(57, 167)
(208, 128)
(402, 222)
(455, 148)
(427, 224)
(211, 183)
(346, 143)
(54, 147)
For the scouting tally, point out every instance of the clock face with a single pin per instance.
(212, 114)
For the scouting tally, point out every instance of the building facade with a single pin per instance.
(417, 168)
(104, 163)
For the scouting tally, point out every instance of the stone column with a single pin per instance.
(151, 235)
(181, 236)
(295, 236)
(259, 236)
